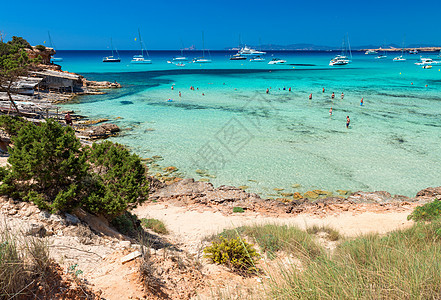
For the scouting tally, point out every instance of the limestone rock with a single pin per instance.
(36, 230)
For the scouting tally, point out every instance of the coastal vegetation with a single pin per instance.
(403, 264)
(235, 253)
(14, 62)
(154, 224)
(50, 167)
(427, 212)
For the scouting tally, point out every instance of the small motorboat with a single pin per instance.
(180, 58)
(277, 61)
(201, 60)
(427, 67)
(257, 59)
(139, 59)
(414, 51)
(111, 59)
(399, 58)
(426, 61)
(371, 52)
(237, 57)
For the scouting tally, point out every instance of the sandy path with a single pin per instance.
(190, 227)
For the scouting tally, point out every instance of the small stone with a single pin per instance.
(297, 196)
(125, 244)
(287, 194)
(12, 212)
(44, 215)
(71, 219)
(310, 195)
(278, 189)
(204, 180)
(130, 256)
(243, 187)
(36, 230)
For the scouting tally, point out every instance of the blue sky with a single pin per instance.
(83, 24)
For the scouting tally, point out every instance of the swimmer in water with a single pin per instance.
(342, 95)
(323, 90)
(348, 121)
(333, 95)
(179, 93)
(267, 91)
(310, 96)
(330, 111)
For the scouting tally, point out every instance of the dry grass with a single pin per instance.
(331, 233)
(23, 262)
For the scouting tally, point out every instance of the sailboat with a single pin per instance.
(202, 59)
(342, 59)
(53, 58)
(381, 56)
(401, 57)
(139, 59)
(112, 58)
(181, 58)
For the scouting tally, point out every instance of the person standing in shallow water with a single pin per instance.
(310, 96)
(333, 95)
(330, 111)
(361, 102)
(348, 121)
(342, 95)
(68, 119)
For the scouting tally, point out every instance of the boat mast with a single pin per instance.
(349, 45)
(50, 40)
(111, 45)
(140, 42)
(203, 45)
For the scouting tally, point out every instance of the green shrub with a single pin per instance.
(49, 168)
(426, 212)
(47, 159)
(126, 223)
(234, 253)
(37, 199)
(40, 47)
(121, 181)
(238, 209)
(155, 225)
(12, 124)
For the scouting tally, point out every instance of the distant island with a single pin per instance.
(312, 47)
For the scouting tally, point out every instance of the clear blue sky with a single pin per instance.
(89, 24)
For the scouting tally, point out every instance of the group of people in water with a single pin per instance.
(348, 120)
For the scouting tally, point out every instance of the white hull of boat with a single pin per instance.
(201, 61)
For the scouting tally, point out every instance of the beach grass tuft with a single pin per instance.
(154, 224)
(332, 234)
(404, 264)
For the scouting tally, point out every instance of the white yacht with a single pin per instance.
(140, 59)
(339, 60)
(277, 61)
(245, 51)
(424, 61)
(112, 58)
(342, 59)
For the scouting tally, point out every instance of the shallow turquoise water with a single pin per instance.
(239, 133)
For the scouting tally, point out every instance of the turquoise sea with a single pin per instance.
(230, 127)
